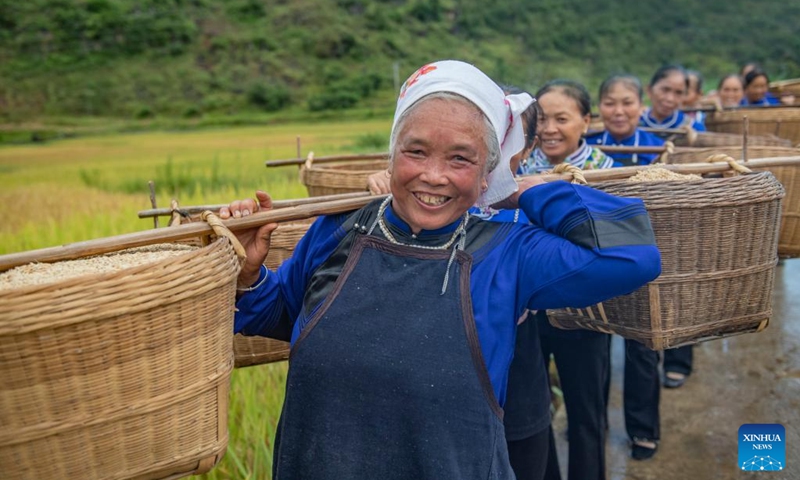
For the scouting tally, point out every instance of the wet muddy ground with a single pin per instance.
(753, 378)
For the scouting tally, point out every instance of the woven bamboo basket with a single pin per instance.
(788, 176)
(119, 375)
(255, 350)
(700, 155)
(789, 240)
(785, 87)
(718, 240)
(782, 122)
(715, 139)
(333, 178)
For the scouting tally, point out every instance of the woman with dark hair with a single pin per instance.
(402, 315)
(581, 356)
(730, 90)
(566, 108)
(667, 90)
(620, 109)
(694, 96)
(756, 89)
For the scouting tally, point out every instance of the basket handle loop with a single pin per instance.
(736, 166)
(309, 160)
(669, 150)
(691, 135)
(305, 166)
(175, 217)
(577, 174)
(222, 231)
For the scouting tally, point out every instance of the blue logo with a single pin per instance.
(762, 447)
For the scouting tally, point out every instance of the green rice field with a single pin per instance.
(92, 187)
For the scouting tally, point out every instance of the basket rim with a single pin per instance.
(701, 185)
(186, 283)
(72, 281)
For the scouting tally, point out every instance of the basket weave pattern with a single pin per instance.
(789, 240)
(346, 177)
(699, 155)
(718, 240)
(785, 87)
(121, 375)
(716, 139)
(782, 122)
(788, 176)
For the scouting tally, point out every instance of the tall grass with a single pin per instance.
(84, 188)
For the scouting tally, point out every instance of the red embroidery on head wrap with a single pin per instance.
(510, 122)
(415, 77)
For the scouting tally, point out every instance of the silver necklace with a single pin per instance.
(459, 235)
(386, 233)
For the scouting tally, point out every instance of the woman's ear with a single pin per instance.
(587, 120)
(528, 151)
(484, 185)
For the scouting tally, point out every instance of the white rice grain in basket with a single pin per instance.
(658, 174)
(44, 273)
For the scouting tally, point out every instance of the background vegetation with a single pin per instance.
(229, 61)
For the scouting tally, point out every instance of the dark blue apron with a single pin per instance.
(387, 381)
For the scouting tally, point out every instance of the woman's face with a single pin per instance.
(667, 95)
(562, 127)
(620, 109)
(692, 93)
(438, 164)
(757, 89)
(731, 92)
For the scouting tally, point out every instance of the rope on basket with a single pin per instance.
(691, 135)
(306, 166)
(577, 173)
(736, 166)
(669, 150)
(222, 231)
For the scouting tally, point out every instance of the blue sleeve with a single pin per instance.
(698, 126)
(589, 246)
(271, 309)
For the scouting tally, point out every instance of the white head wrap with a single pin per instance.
(503, 112)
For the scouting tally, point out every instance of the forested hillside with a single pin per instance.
(187, 58)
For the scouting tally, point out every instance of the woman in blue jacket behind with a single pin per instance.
(667, 90)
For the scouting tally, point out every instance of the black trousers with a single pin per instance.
(528, 457)
(642, 390)
(678, 360)
(583, 369)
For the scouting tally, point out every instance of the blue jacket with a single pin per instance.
(677, 120)
(640, 138)
(582, 246)
(769, 99)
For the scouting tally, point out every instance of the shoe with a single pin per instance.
(642, 452)
(675, 381)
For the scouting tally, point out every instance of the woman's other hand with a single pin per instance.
(255, 240)
(378, 183)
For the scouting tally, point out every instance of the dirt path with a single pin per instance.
(751, 378)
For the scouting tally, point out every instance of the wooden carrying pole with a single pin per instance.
(328, 159)
(300, 212)
(191, 210)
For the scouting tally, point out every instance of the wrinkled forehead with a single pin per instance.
(455, 113)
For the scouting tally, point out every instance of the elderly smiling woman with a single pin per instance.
(402, 315)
